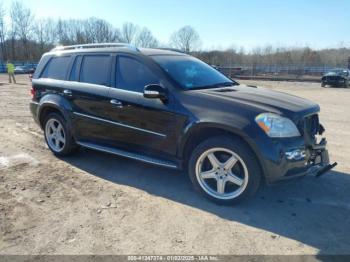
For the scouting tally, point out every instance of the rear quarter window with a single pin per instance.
(56, 68)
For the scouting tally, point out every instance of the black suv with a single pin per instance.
(337, 77)
(170, 109)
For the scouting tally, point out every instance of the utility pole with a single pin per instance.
(349, 63)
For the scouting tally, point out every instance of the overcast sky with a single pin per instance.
(220, 23)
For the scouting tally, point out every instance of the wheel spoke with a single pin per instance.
(59, 127)
(221, 186)
(53, 127)
(230, 163)
(208, 174)
(61, 139)
(60, 136)
(213, 160)
(57, 143)
(234, 179)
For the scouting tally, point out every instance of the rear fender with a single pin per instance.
(54, 102)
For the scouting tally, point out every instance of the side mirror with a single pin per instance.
(155, 91)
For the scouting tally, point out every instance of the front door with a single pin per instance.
(141, 124)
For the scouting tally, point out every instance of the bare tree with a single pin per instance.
(100, 31)
(22, 21)
(129, 32)
(44, 30)
(146, 39)
(187, 39)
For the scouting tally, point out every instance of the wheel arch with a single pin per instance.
(53, 103)
(198, 133)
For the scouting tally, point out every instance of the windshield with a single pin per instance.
(192, 73)
(339, 72)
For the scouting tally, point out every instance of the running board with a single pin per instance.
(127, 154)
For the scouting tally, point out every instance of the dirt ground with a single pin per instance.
(94, 203)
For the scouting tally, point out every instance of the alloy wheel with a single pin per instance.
(55, 135)
(221, 173)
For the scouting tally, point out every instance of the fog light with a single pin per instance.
(296, 154)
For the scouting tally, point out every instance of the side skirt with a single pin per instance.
(131, 155)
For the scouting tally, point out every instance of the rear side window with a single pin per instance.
(132, 75)
(95, 69)
(57, 68)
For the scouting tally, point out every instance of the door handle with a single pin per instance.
(67, 92)
(116, 103)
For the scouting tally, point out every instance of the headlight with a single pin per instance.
(277, 126)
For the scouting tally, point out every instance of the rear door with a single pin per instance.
(90, 80)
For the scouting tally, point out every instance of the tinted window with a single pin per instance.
(95, 70)
(191, 72)
(57, 68)
(74, 75)
(132, 75)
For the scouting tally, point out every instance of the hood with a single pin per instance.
(264, 99)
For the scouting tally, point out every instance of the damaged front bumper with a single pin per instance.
(319, 159)
(297, 157)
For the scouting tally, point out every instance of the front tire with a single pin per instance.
(225, 170)
(58, 137)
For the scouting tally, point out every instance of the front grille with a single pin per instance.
(332, 78)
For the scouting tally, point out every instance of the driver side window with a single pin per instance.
(132, 75)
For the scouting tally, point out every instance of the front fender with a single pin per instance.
(247, 133)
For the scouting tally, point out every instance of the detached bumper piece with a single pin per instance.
(319, 159)
(325, 169)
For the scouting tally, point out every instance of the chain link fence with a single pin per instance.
(275, 72)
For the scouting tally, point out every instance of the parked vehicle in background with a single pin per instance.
(31, 73)
(170, 109)
(337, 78)
(24, 70)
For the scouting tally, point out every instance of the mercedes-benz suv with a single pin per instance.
(170, 109)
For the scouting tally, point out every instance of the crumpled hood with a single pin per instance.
(263, 98)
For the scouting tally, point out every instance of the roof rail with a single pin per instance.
(97, 45)
(171, 49)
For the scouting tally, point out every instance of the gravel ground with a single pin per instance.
(94, 203)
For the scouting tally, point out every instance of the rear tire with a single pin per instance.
(57, 136)
(225, 170)
(323, 84)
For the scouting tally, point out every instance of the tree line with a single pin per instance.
(26, 38)
(279, 56)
